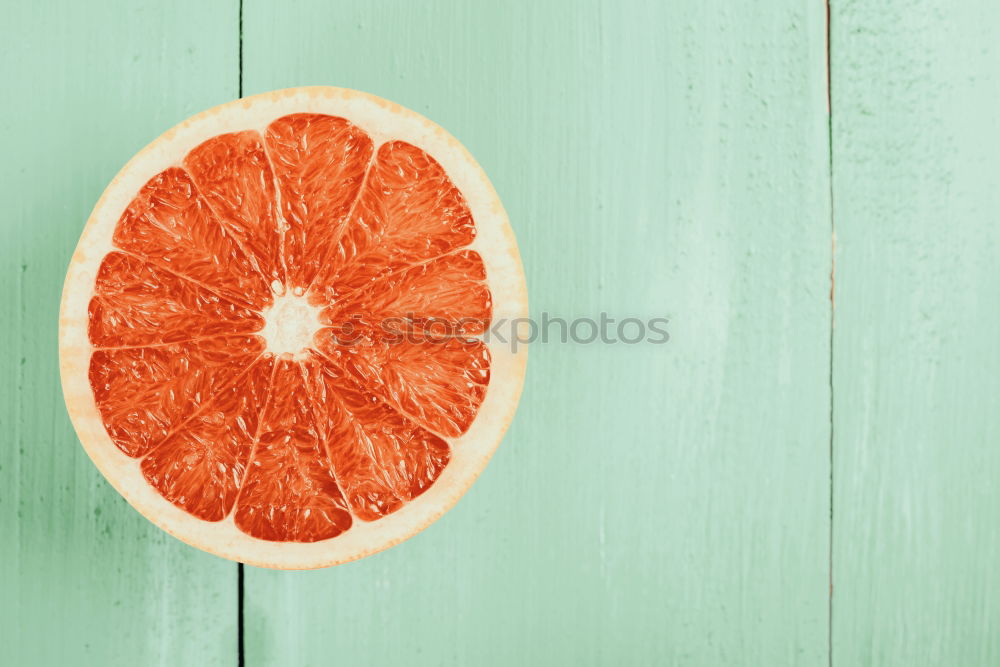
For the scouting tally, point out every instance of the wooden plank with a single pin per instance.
(85, 579)
(917, 365)
(652, 504)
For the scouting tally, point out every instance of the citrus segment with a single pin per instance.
(234, 175)
(201, 465)
(409, 211)
(382, 460)
(320, 163)
(446, 296)
(439, 384)
(169, 224)
(137, 303)
(290, 494)
(144, 393)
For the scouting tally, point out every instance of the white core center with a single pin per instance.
(290, 324)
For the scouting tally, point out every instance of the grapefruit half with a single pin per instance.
(273, 330)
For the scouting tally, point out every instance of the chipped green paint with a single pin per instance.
(917, 346)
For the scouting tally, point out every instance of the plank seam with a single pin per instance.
(240, 654)
(239, 84)
(833, 271)
(240, 595)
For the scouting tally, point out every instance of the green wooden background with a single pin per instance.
(681, 504)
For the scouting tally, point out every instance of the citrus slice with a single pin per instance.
(273, 335)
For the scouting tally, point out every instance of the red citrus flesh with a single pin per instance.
(293, 447)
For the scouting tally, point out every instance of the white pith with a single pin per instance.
(470, 452)
(289, 325)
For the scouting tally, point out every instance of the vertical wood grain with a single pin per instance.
(85, 579)
(917, 372)
(651, 504)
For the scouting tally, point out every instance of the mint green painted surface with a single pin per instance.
(84, 579)
(917, 345)
(651, 505)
